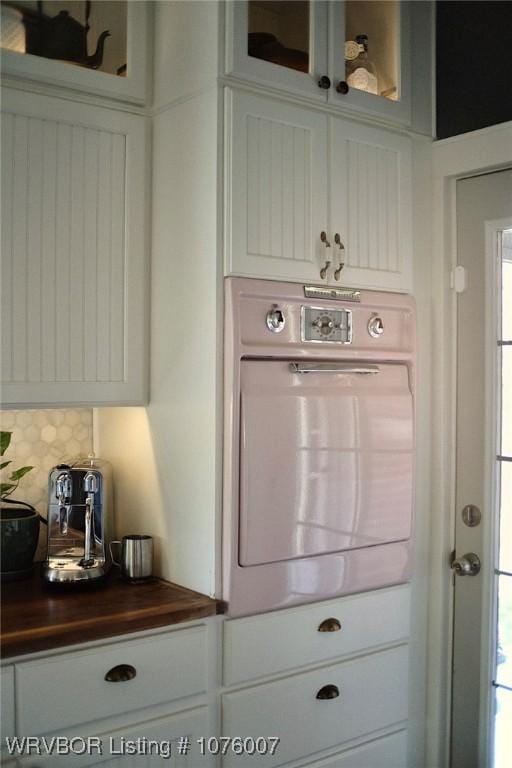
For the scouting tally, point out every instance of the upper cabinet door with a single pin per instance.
(281, 43)
(74, 250)
(276, 189)
(370, 206)
(102, 48)
(369, 52)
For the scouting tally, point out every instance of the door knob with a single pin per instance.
(342, 87)
(467, 565)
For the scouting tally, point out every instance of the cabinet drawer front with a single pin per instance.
(55, 693)
(372, 695)
(389, 752)
(275, 642)
(7, 702)
(130, 746)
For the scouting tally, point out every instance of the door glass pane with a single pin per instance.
(504, 651)
(506, 319)
(87, 34)
(503, 676)
(505, 557)
(506, 401)
(279, 32)
(372, 47)
(503, 740)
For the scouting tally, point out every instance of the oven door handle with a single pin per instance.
(348, 368)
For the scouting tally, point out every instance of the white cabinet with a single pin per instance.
(105, 703)
(319, 709)
(294, 173)
(128, 44)
(277, 190)
(263, 645)
(332, 675)
(370, 205)
(299, 48)
(6, 703)
(163, 668)
(74, 253)
(387, 752)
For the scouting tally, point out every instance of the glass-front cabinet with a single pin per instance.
(354, 53)
(94, 45)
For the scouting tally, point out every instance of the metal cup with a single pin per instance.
(136, 560)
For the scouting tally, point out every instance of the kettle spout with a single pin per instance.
(94, 60)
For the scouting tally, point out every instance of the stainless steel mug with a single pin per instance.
(136, 561)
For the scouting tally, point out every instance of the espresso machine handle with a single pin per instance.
(90, 487)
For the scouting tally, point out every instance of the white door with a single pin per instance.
(482, 644)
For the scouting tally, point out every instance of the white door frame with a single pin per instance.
(467, 155)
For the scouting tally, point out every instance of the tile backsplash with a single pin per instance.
(42, 439)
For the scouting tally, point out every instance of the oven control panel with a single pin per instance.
(322, 325)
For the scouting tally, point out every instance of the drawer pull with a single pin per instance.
(329, 625)
(328, 692)
(121, 673)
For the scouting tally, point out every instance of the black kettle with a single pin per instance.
(60, 36)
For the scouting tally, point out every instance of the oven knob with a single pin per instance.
(275, 320)
(375, 326)
(324, 324)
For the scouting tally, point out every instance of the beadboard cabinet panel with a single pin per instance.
(276, 203)
(73, 253)
(293, 173)
(370, 204)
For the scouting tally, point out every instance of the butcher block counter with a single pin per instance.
(37, 617)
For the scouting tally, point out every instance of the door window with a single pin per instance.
(279, 32)
(503, 676)
(372, 47)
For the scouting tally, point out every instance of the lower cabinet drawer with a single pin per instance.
(56, 692)
(258, 646)
(155, 744)
(388, 752)
(6, 703)
(370, 693)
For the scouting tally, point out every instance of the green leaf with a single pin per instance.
(19, 473)
(7, 488)
(5, 440)
(5, 464)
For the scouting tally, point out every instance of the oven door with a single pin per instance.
(326, 458)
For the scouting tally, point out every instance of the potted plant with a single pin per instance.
(19, 522)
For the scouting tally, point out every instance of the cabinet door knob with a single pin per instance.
(328, 692)
(324, 82)
(342, 87)
(121, 673)
(330, 625)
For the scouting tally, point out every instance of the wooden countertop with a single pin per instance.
(38, 617)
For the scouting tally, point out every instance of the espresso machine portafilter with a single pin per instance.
(79, 521)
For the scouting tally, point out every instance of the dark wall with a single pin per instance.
(473, 65)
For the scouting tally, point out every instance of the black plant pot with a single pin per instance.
(19, 534)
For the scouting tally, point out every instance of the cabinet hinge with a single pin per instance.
(458, 279)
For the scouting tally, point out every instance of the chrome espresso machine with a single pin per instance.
(79, 521)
